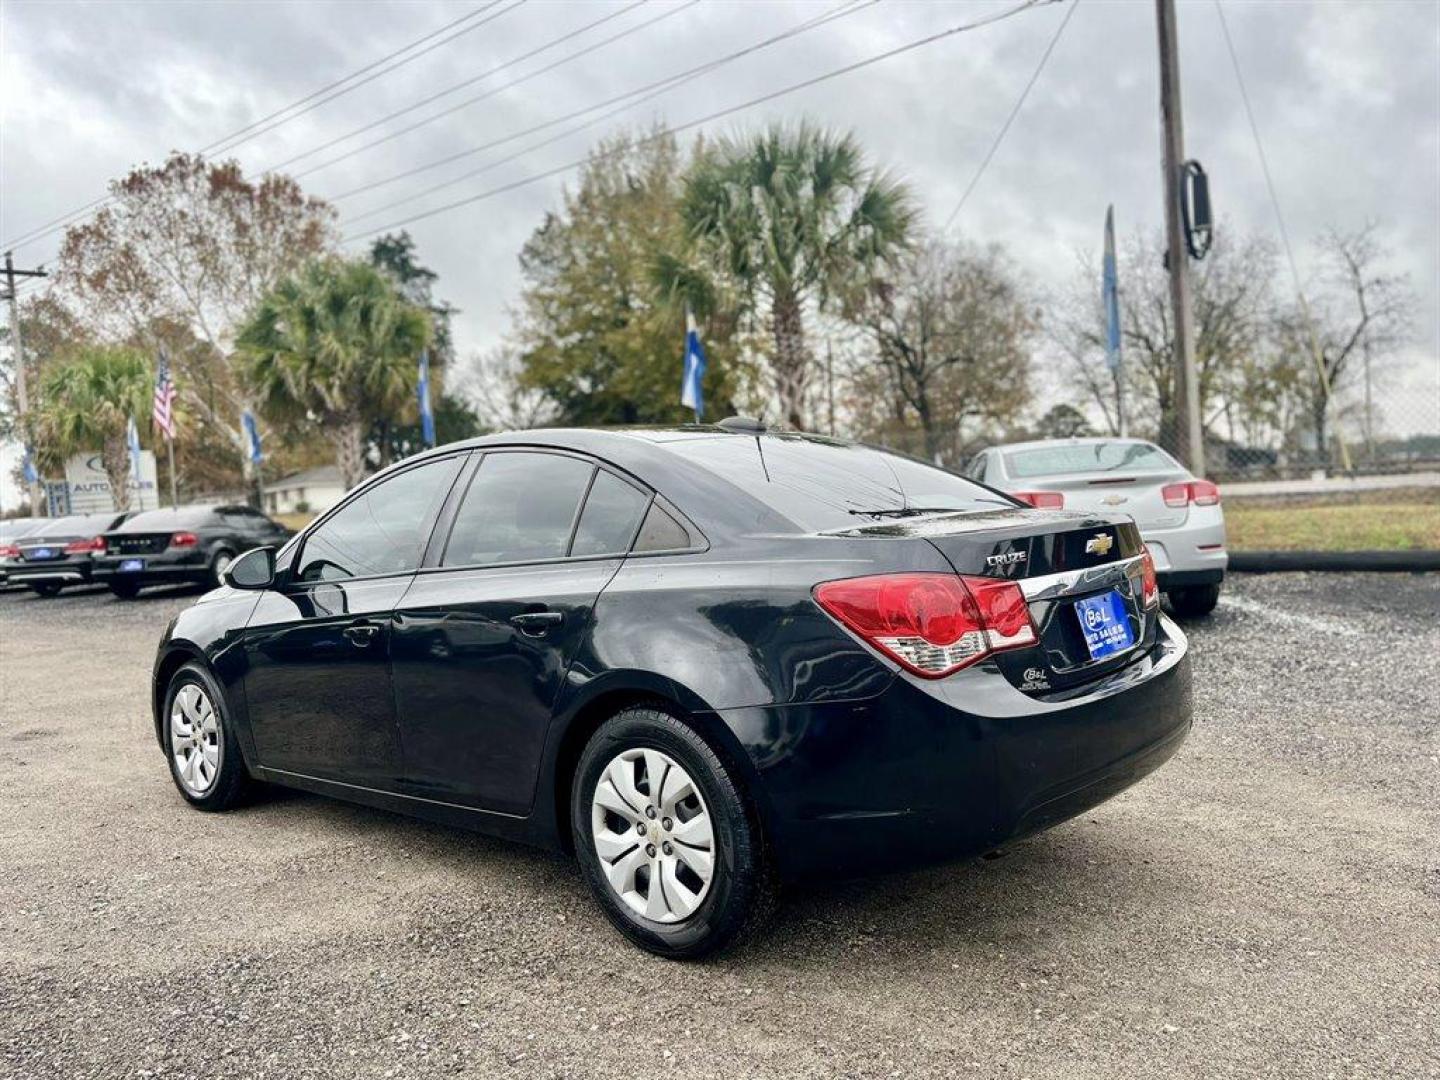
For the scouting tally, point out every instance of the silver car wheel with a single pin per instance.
(195, 740)
(653, 835)
(222, 563)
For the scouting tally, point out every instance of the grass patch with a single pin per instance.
(294, 521)
(1408, 524)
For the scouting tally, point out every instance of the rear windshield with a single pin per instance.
(13, 530)
(819, 484)
(169, 519)
(1066, 458)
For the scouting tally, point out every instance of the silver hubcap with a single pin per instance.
(653, 836)
(195, 739)
(221, 563)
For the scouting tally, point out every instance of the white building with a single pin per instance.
(313, 491)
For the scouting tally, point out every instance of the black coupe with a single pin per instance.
(707, 660)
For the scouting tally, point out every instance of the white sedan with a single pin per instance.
(1179, 515)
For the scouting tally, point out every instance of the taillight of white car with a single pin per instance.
(1198, 492)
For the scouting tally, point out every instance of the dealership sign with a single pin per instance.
(89, 488)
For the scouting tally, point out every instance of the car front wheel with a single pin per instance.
(200, 745)
(667, 841)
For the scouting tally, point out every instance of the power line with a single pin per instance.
(1014, 112)
(719, 114)
(497, 90)
(630, 99)
(1284, 237)
(452, 89)
(41, 231)
(361, 71)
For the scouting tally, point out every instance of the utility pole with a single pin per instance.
(1185, 440)
(22, 395)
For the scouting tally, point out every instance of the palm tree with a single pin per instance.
(336, 345)
(793, 216)
(87, 402)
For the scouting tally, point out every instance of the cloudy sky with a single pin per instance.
(1347, 96)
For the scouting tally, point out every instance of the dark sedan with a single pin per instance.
(60, 552)
(181, 544)
(706, 660)
(13, 530)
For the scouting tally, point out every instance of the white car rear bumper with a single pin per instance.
(1190, 554)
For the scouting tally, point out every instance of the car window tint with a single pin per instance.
(612, 510)
(520, 508)
(661, 532)
(382, 531)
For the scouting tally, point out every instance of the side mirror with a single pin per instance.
(253, 570)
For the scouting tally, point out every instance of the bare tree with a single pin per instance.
(492, 382)
(1233, 302)
(1359, 313)
(951, 328)
(190, 246)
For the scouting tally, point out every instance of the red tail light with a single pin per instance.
(9, 551)
(1150, 586)
(80, 547)
(184, 539)
(931, 624)
(1042, 500)
(1199, 492)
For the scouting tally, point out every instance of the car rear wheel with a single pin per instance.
(47, 588)
(667, 841)
(1194, 600)
(200, 745)
(125, 590)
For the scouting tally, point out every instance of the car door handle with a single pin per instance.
(536, 623)
(361, 634)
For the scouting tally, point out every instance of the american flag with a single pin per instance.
(164, 413)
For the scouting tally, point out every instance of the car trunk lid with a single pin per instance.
(136, 543)
(1138, 494)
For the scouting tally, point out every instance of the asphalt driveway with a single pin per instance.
(1268, 904)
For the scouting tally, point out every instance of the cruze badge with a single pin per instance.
(1099, 544)
(1008, 558)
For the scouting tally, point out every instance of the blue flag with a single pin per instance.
(32, 476)
(427, 417)
(692, 393)
(1110, 291)
(132, 443)
(252, 437)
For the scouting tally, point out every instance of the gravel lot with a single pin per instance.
(1268, 904)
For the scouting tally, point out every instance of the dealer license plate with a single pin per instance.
(1105, 624)
(129, 566)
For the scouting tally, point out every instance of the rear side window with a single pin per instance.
(611, 515)
(382, 531)
(661, 532)
(520, 508)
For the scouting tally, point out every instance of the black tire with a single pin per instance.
(740, 894)
(125, 590)
(218, 562)
(231, 779)
(46, 589)
(1194, 601)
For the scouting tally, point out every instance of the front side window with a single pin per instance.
(520, 508)
(382, 531)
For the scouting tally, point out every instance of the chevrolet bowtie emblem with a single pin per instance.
(1099, 544)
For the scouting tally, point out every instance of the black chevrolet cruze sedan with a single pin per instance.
(707, 660)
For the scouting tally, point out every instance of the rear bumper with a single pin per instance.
(158, 570)
(933, 772)
(60, 572)
(1190, 554)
